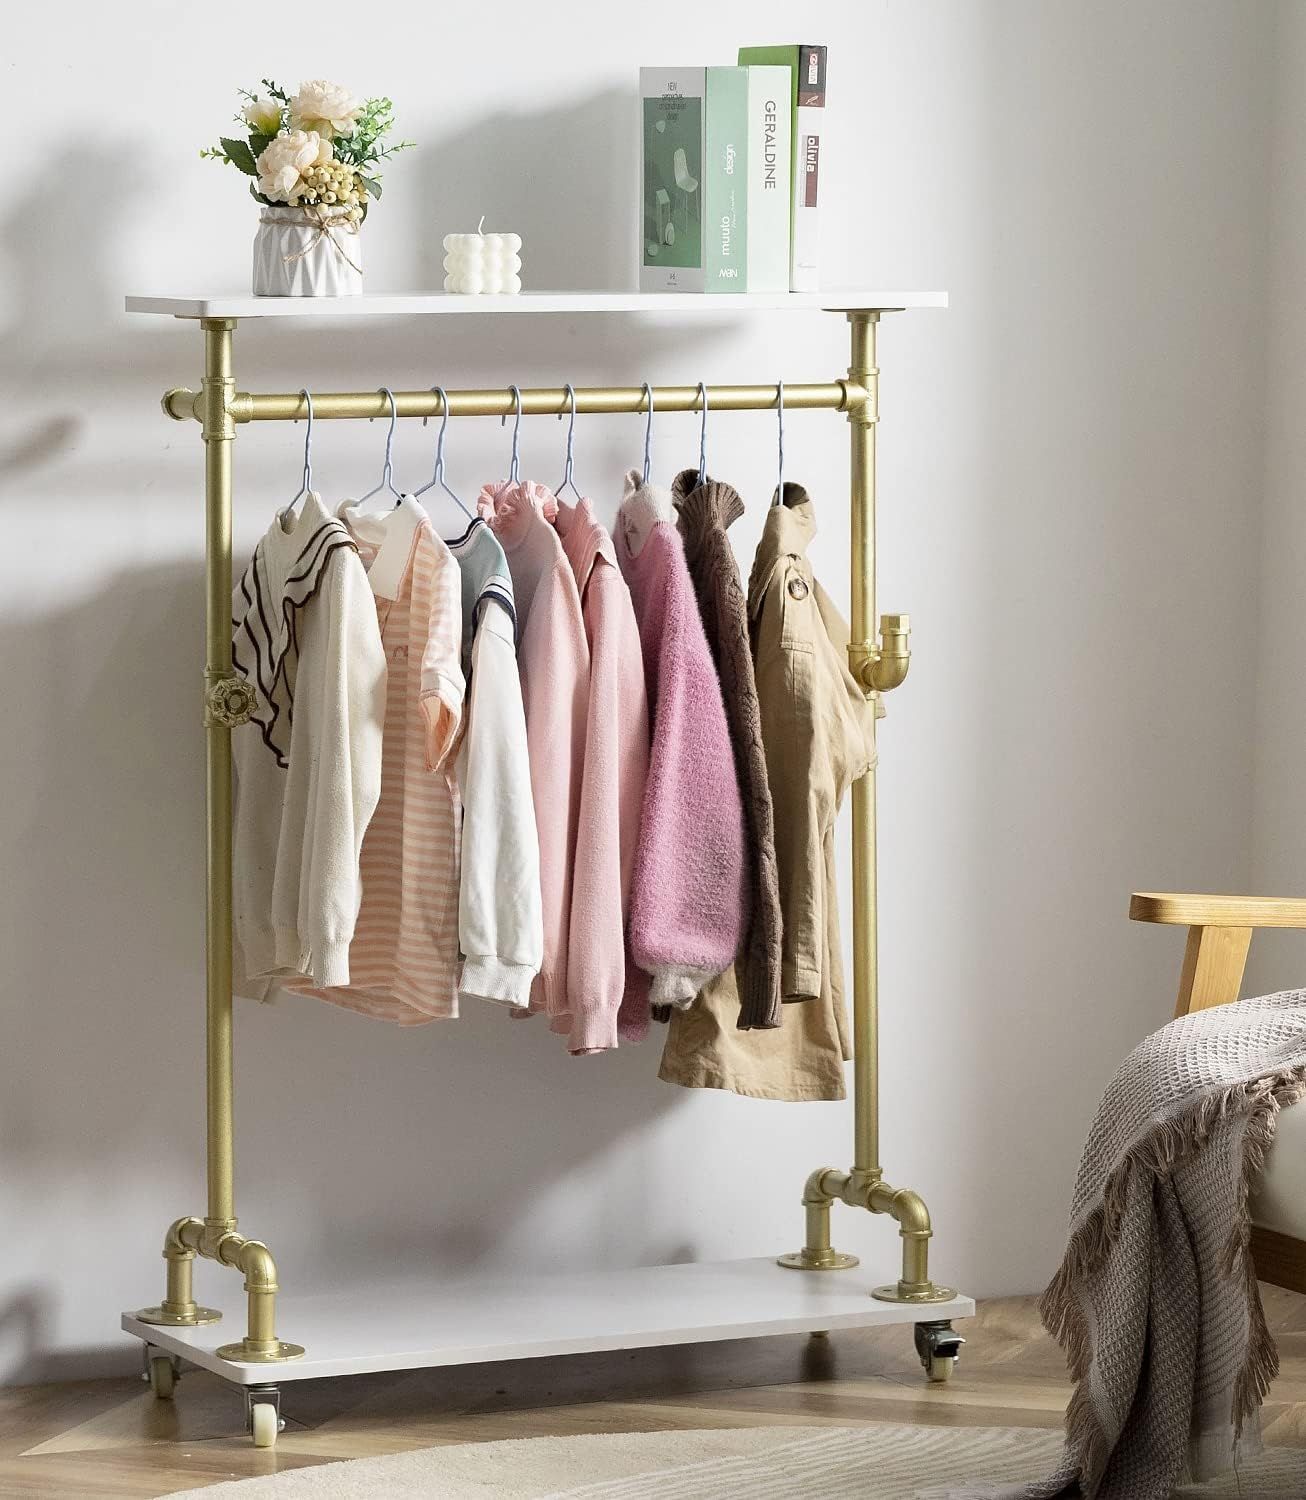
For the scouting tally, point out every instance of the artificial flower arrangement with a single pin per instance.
(314, 157)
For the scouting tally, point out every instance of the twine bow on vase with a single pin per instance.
(285, 262)
(325, 221)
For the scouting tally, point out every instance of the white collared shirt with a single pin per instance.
(308, 765)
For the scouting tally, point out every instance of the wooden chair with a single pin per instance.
(1219, 934)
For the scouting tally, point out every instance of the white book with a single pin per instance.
(806, 67)
(769, 142)
(809, 126)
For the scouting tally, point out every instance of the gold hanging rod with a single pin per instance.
(247, 406)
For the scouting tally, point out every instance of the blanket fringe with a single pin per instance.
(1156, 1154)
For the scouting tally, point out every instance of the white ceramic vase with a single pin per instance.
(306, 252)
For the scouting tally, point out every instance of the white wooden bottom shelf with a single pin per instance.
(463, 1321)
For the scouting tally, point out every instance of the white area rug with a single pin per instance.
(878, 1462)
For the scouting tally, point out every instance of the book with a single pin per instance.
(770, 124)
(725, 184)
(807, 66)
(673, 108)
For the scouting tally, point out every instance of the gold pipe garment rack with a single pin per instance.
(878, 660)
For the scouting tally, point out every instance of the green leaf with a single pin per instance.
(239, 155)
(372, 185)
(258, 143)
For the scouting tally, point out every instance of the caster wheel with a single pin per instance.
(938, 1347)
(163, 1376)
(264, 1424)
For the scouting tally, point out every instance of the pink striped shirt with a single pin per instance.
(403, 961)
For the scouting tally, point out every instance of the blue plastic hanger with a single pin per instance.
(568, 478)
(514, 470)
(780, 443)
(648, 432)
(387, 469)
(438, 476)
(306, 484)
(702, 435)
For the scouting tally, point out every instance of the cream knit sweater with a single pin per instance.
(308, 765)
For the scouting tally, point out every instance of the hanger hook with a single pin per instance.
(437, 476)
(444, 423)
(702, 435)
(514, 471)
(568, 472)
(308, 442)
(387, 472)
(780, 442)
(648, 431)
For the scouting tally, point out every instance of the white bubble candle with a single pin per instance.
(476, 263)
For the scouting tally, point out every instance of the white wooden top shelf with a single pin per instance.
(421, 304)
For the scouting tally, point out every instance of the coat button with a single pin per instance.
(797, 588)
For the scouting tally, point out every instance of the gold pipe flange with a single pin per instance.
(817, 1260)
(239, 1354)
(899, 1291)
(163, 1319)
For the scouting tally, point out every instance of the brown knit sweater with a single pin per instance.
(704, 512)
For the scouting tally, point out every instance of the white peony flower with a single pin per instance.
(326, 107)
(285, 157)
(264, 115)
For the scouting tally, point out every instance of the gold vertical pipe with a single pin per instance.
(866, 1063)
(179, 1299)
(219, 430)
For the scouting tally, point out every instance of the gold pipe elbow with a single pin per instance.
(887, 669)
(183, 1237)
(260, 1270)
(907, 1207)
(823, 1186)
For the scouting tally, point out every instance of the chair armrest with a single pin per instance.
(1218, 911)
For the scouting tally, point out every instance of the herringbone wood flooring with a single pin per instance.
(111, 1438)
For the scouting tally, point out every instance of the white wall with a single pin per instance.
(1279, 855)
(1071, 463)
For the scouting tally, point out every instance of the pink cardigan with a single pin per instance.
(607, 994)
(689, 895)
(553, 659)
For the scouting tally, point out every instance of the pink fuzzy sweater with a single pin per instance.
(688, 900)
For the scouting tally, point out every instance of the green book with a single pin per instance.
(725, 202)
(673, 110)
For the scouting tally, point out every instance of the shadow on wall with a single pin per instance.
(576, 238)
(401, 1150)
(60, 247)
(361, 1148)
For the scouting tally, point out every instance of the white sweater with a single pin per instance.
(308, 765)
(500, 926)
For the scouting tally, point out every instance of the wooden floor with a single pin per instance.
(111, 1438)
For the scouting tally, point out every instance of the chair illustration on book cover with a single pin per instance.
(687, 184)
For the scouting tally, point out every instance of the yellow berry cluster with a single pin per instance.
(335, 185)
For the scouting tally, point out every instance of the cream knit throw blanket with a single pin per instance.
(1156, 1302)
